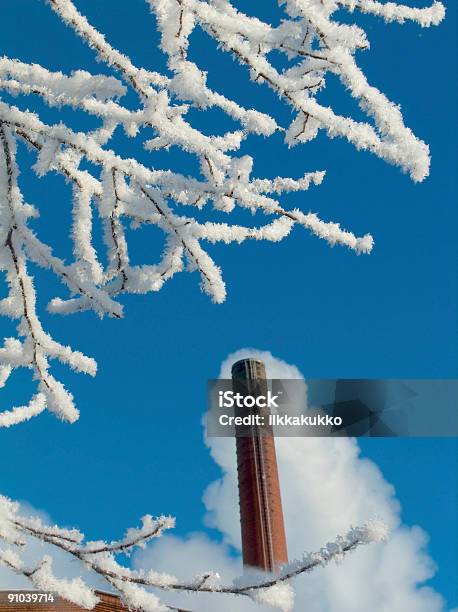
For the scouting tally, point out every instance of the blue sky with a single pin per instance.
(333, 314)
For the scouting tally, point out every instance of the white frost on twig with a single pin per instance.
(134, 586)
(123, 191)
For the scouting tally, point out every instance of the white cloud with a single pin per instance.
(326, 487)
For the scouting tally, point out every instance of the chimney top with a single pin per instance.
(249, 368)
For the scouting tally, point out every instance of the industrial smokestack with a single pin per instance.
(261, 514)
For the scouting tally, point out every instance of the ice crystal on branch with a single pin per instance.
(122, 190)
(134, 585)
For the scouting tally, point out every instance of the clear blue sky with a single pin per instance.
(333, 314)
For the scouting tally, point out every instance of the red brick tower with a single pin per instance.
(261, 514)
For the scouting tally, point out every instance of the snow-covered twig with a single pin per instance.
(100, 557)
(122, 190)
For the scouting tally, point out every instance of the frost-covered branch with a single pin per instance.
(37, 347)
(391, 11)
(134, 585)
(123, 191)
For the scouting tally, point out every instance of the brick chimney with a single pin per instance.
(261, 514)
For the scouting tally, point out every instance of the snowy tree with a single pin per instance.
(126, 191)
(135, 586)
